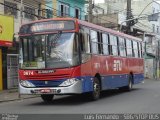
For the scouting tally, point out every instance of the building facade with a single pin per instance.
(67, 8)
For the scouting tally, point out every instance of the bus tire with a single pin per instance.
(95, 94)
(130, 83)
(129, 87)
(47, 98)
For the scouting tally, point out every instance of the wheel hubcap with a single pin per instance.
(96, 89)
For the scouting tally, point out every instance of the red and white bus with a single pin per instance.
(61, 56)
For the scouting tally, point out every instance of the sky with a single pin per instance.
(99, 1)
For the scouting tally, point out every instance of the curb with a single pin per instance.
(16, 99)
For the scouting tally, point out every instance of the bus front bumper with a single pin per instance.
(76, 88)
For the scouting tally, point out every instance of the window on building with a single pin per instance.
(30, 12)
(153, 27)
(157, 29)
(63, 9)
(77, 13)
(154, 10)
(10, 8)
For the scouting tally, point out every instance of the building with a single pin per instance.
(9, 54)
(66, 8)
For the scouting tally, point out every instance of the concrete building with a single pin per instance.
(67, 8)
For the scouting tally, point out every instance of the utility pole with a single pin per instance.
(21, 12)
(39, 11)
(90, 11)
(129, 16)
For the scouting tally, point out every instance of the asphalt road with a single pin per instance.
(144, 98)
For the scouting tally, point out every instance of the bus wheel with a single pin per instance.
(130, 83)
(129, 86)
(96, 89)
(47, 98)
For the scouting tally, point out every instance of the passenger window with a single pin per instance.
(135, 49)
(129, 48)
(105, 44)
(113, 45)
(84, 40)
(94, 41)
(122, 48)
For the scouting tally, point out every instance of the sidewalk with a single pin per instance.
(12, 95)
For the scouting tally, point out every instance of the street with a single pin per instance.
(144, 98)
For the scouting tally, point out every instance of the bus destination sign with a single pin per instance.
(47, 26)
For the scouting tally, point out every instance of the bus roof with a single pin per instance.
(91, 25)
(100, 28)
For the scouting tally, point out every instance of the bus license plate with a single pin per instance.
(45, 91)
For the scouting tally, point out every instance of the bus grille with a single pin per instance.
(48, 77)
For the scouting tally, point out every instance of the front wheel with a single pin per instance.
(95, 94)
(47, 98)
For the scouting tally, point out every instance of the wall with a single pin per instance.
(73, 4)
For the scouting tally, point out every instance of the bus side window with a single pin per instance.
(113, 45)
(140, 49)
(133, 52)
(94, 41)
(139, 53)
(105, 44)
(129, 48)
(122, 47)
(84, 40)
(109, 46)
(125, 45)
(100, 47)
(135, 49)
(118, 50)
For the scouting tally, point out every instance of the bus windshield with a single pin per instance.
(57, 50)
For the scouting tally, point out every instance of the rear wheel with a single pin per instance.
(129, 87)
(47, 98)
(96, 89)
(130, 83)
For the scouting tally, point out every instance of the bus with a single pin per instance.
(67, 56)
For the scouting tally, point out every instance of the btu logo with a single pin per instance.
(117, 65)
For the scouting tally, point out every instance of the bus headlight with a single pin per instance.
(68, 82)
(26, 83)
